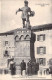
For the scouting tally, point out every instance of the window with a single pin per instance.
(6, 43)
(41, 50)
(41, 61)
(41, 37)
(6, 53)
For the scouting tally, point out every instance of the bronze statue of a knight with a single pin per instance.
(26, 13)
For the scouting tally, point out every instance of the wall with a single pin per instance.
(9, 47)
(47, 43)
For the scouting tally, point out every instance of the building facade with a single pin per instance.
(21, 44)
(43, 49)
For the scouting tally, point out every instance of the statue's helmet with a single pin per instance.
(26, 2)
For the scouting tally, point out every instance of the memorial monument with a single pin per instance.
(24, 39)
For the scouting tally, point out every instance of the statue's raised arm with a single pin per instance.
(18, 10)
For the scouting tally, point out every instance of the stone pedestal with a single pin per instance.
(24, 46)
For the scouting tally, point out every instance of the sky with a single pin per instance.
(9, 20)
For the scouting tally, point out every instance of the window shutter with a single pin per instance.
(44, 50)
(38, 50)
(37, 60)
(44, 37)
(3, 44)
(44, 61)
(38, 38)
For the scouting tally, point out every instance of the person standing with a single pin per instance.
(23, 66)
(12, 67)
(29, 68)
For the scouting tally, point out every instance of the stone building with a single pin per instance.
(22, 43)
(43, 47)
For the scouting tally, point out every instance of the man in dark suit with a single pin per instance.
(12, 67)
(23, 66)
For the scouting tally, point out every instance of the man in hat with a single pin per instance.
(26, 12)
(12, 67)
(23, 66)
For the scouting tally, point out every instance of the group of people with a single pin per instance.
(29, 68)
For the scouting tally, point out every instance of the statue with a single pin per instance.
(26, 13)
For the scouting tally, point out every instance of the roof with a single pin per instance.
(42, 27)
(34, 29)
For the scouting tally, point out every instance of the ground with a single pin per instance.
(19, 77)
